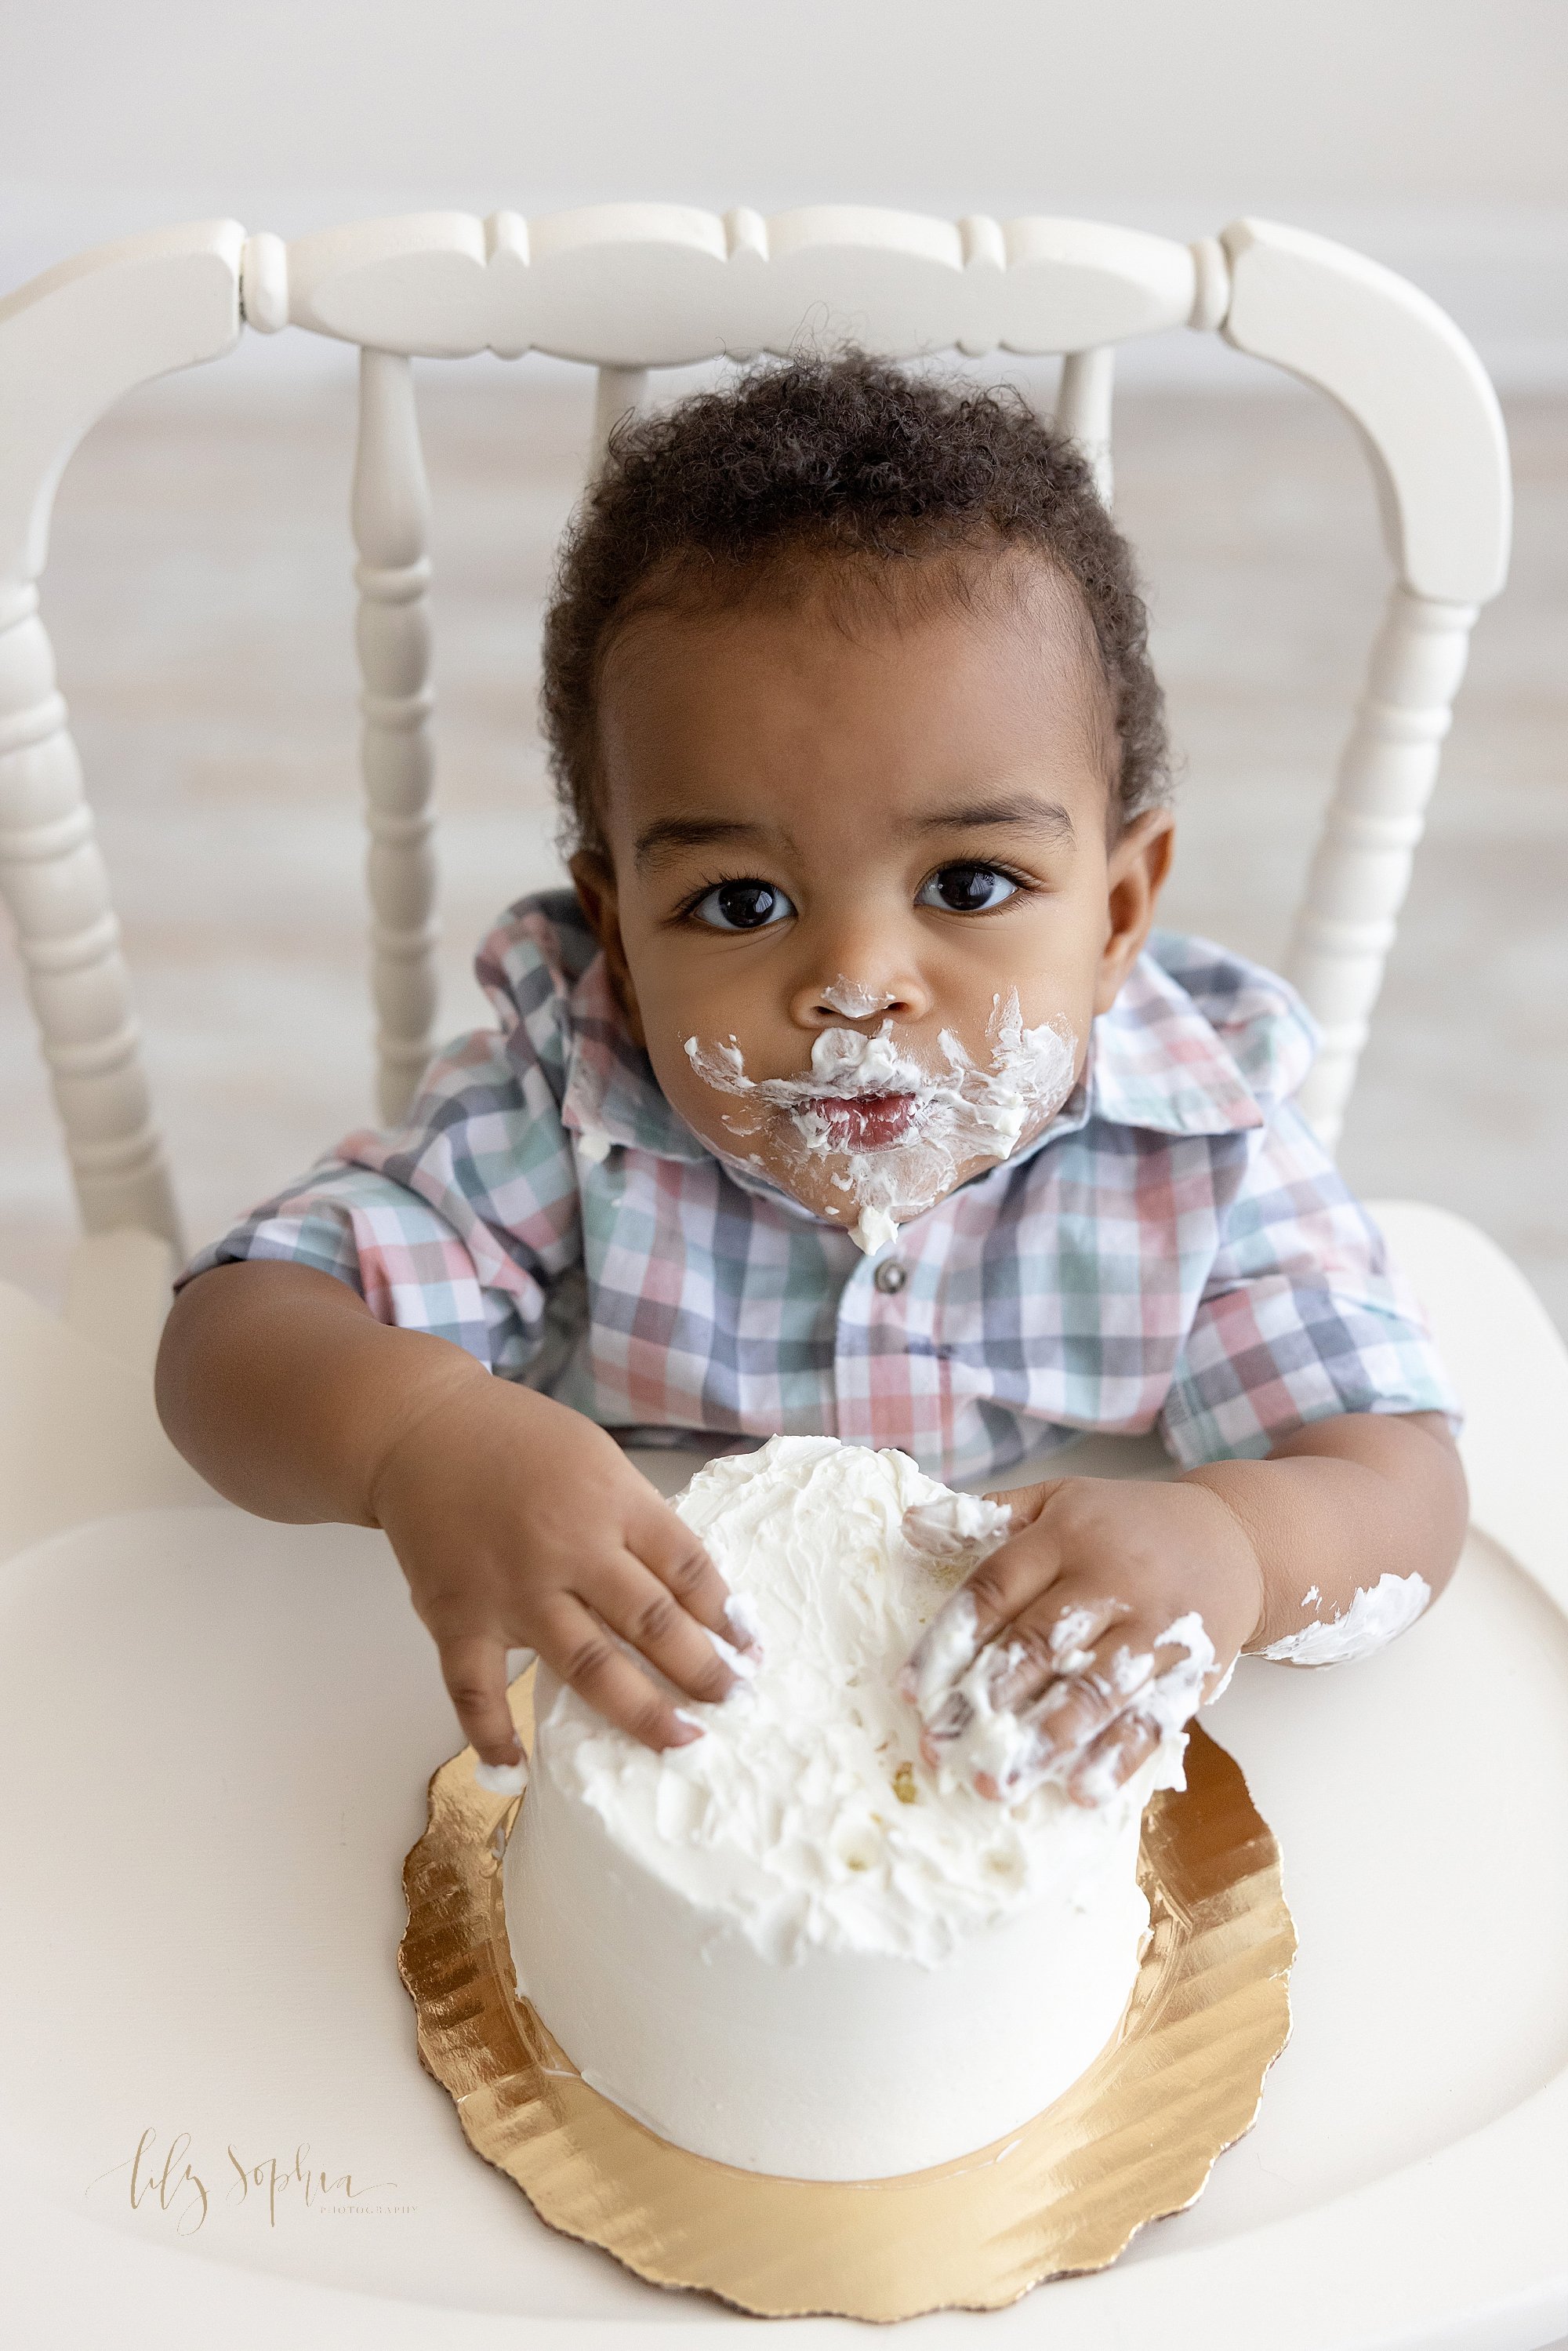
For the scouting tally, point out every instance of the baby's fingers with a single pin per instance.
(964, 1674)
(473, 1667)
(585, 1654)
(1110, 1760)
(1095, 1691)
(633, 1602)
(666, 1546)
(1097, 1722)
(1008, 1581)
(1076, 1642)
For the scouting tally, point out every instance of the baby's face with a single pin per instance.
(863, 905)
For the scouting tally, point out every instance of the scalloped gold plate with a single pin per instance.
(1133, 2138)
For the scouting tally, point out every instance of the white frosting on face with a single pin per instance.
(805, 1814)
(873, 1230)
(855, 1002)
(1372, 1619)
(959, 1112)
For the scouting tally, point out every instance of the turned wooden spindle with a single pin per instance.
(620, 392)
(1362, 868)
(1083, 409)
(390, 511)
(52, 878)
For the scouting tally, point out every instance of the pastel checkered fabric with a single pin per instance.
(1175, 1252)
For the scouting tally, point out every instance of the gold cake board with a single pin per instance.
(1133, 2138)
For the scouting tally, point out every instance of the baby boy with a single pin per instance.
(851, 1093)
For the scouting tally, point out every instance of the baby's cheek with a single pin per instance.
(727, 1116)
(715, 1117)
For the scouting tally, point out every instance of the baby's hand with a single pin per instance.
(1112, 1611)
(519, 1524)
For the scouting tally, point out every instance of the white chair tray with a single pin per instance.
(214, 1740)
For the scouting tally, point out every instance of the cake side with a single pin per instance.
(840, 2065)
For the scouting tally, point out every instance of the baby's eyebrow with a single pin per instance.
(669, 834)
(673, 832)
(1016, 809)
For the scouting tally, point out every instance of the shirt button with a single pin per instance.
(889, 1277)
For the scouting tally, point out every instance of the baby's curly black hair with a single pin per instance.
(845, 461)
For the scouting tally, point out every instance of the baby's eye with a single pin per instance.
(967, 890)
(742, 906)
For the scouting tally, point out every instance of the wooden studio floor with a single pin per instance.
(200, 601)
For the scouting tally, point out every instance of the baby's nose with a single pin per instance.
(850, 996)
(854, 999)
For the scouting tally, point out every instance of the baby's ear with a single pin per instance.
(594, 877)
(1138, 864)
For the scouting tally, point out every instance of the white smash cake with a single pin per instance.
(791, 1946)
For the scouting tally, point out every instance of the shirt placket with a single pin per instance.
(891, 1377)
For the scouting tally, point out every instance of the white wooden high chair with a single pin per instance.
(215, 1733)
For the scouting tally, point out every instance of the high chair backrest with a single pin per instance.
(626, 289)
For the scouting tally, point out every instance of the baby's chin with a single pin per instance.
(840, 1158)
(841, 1186)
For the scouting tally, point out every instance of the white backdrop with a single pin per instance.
(1431, 132)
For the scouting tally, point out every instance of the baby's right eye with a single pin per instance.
(742, 906)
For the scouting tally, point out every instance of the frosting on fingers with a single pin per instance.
(965, 1529)
(1010, 1750)
(969, 1698)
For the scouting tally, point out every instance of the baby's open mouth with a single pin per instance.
(864, 1122)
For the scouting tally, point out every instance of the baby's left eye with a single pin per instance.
(967, 890)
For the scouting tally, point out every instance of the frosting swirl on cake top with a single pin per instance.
(805, 1814)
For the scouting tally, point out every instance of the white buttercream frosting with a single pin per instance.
(853, 1000)
(790, 1944)
(960, 1110)
(1373, 1618)
(806, 1813)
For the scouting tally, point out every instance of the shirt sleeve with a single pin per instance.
(464, 1221)
(1303, 1315)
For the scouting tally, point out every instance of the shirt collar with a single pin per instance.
(1157, 1062)
(612, 1094)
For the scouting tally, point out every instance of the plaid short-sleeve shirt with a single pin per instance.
(1176, 1251)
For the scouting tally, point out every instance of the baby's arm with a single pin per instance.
(517, 1523)
(1115, 1607)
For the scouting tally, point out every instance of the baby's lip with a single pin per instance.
(864, 1122)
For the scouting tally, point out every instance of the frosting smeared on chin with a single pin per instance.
(891, 1163)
